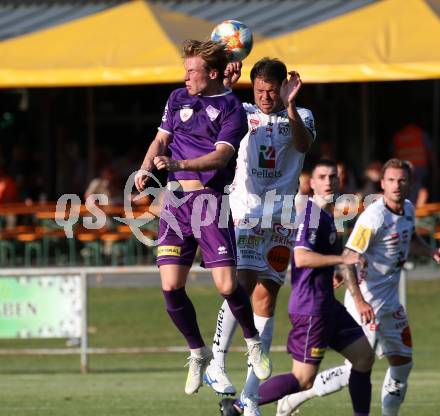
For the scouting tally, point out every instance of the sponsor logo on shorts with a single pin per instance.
(168, 251)
(406, 337)
(222, 250)
(278, 257)
(399, 314)
(317, 352)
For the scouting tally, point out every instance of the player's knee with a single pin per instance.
(364, 362)
(264, 306)
(305, 382)
(226, 287)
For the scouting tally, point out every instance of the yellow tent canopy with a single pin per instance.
(387, 40)
(139, 42)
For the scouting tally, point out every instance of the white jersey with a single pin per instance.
(267, 161)
(384, 238)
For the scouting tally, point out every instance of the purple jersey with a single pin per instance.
(197, 124)
(312, 288)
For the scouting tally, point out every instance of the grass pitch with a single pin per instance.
(152, 384)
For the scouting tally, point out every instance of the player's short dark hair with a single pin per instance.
(270, 70)
(324, 162)
(397, 164)
(212, 52)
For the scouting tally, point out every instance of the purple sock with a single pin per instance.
(183, 314)
(359, 385)
(240, 305)
(277, 387)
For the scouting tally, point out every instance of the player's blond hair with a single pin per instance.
(397, 164)
(212, 52)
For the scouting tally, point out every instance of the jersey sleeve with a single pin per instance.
(234, 127)
(308, 120)
(362, 234)
(307, 230)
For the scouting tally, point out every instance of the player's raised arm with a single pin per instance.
(289, 90)
(157, 147)
(232, 74)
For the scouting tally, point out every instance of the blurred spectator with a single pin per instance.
(411, 143)
(8, 187)
(347, 180)
(107, 184)
(372, 179)
(422, 196)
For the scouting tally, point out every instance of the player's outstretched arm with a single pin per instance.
(348, 271)
(157, 147)
(309, 258)
(218, 159)
(289, 90)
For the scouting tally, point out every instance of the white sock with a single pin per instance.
(224, 332)
(331, 380)
(326, 382)
(265, 329)
(199, 352)
(394, 388)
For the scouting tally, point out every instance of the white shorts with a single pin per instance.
(267, 251)
(390, 334)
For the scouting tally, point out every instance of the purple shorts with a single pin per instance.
(311, 335)
(196, 219)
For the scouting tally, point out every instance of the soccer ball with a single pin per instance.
(236, 36)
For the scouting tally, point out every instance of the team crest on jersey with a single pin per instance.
(212, 112)
(284, 129)
(185, 113)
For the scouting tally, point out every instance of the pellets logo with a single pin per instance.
(266, 158)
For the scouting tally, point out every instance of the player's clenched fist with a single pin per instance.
(141, 179)
(164, 162)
